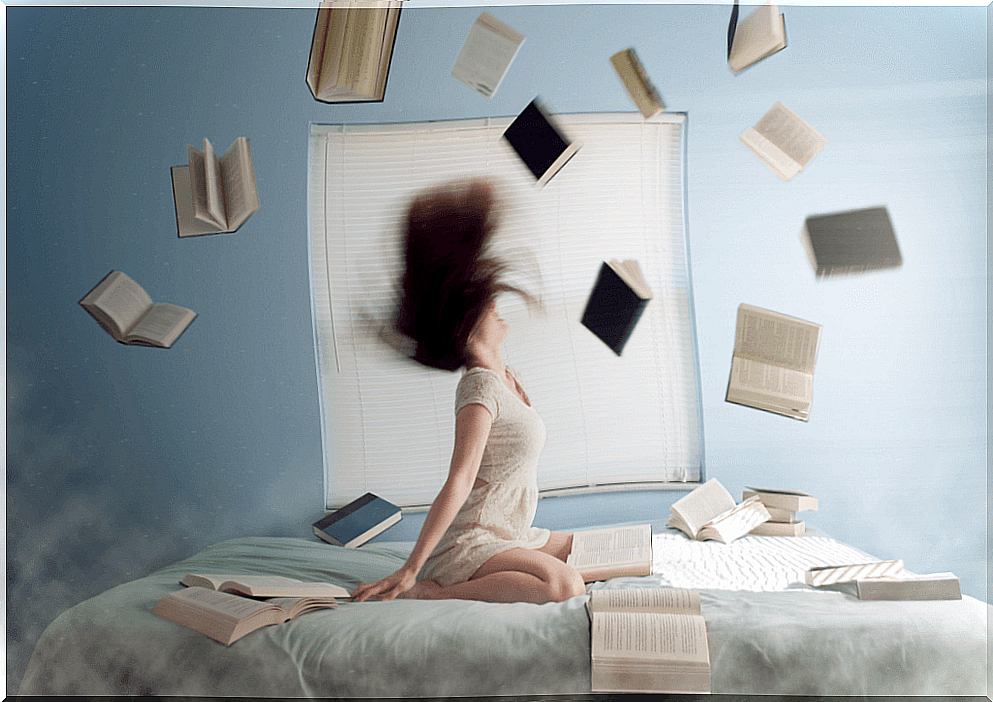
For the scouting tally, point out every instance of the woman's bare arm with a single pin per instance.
(472, 428)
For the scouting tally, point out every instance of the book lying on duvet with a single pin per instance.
(264, 586)
(648, 640)
(226, 617)
(709, 512)
(884, 580)
(612, 552)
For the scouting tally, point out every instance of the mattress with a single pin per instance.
(767, 632)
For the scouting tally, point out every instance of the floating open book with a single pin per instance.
(215, 195)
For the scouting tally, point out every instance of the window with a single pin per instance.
(388, 424)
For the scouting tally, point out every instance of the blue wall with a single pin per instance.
(122, 459)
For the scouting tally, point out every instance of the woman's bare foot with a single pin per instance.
(422, 590)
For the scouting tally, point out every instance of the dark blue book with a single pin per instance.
(358, 521)
(616, 303)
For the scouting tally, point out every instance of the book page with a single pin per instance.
(667, 599)
(486, 54)
(221, 603)
(240, 193)
(645, 635)
(791, 134)
(595, 547)
(778, 161)
(703, 504)
(770, 337)
(163, 324)
(212, 179)
(121, 300)
(363, 48)
(198, 186)
(789, 387)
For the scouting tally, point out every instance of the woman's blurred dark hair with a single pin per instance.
(449, 279)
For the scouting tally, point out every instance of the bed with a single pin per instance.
(767, 633)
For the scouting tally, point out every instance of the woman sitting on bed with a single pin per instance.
(477, 541)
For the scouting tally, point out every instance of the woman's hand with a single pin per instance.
(389, 587)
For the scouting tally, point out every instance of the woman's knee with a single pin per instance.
(566, 583)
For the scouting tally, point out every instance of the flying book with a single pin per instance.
(487, 54)
(845, 243)
(215, 195)
(616, 303)
(758, 36)
(772, 367)
(358, 521)
(710, 513)
(351, 50)
(783, 141)
(612, 552)
(636, 81)
(648, 640)
(539, 143)
(263, 585)
(126, 312)
(226, 618)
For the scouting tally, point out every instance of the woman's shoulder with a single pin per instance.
(480, 386)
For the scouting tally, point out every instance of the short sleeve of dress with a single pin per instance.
(478, 386)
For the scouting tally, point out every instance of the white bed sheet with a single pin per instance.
(766, 635)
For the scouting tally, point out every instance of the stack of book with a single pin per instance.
(782, 506)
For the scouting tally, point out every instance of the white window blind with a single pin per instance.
(612, 421)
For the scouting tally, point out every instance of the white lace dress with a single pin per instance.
(496, 516)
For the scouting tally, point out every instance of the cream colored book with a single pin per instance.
(613, 552)
(264, 585)
(772, 367)
(226, 617)
(650, 640)
(758, 36)
(486, 55)
(127, 313)
(636, 81)
(214, 194)
(783, 141)
(710, 513)
(772, 528)
(785, 500)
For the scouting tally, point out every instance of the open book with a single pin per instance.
(648, 640)
(351, 50)
(616, 303)
(612, 552)
(125, 311)
(226, 618)
(756, 37)
(487, 54)
(215, 195)
(709, 512)
(783, 141)
(264, 586)
(772, 367)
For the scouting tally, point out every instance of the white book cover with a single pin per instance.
(487, 54)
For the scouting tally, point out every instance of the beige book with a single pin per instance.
(126, 312)
(486, 55)
(215, 195)
(772, 528)
(612, 552)
(783, 141)
(351, 50)
(226, 618)
(756, 37)
(648, 640)
(710, 513)
(636, 81)
(772, 367)
(784, 501)
(264, 585)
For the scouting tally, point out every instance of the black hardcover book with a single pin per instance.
(539, 143)
(844, 243)
(358, 521)
(616, 303)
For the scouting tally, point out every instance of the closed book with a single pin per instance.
(635, 79)
(616, 303)
(846, 243)
(935, 586)
(357, 522)
(793, 500)
(771, 528)
(542, 147)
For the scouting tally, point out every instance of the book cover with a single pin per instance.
(486, 56)
(844, 243)
(542, 147)
(614, 306)
(357, 522)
